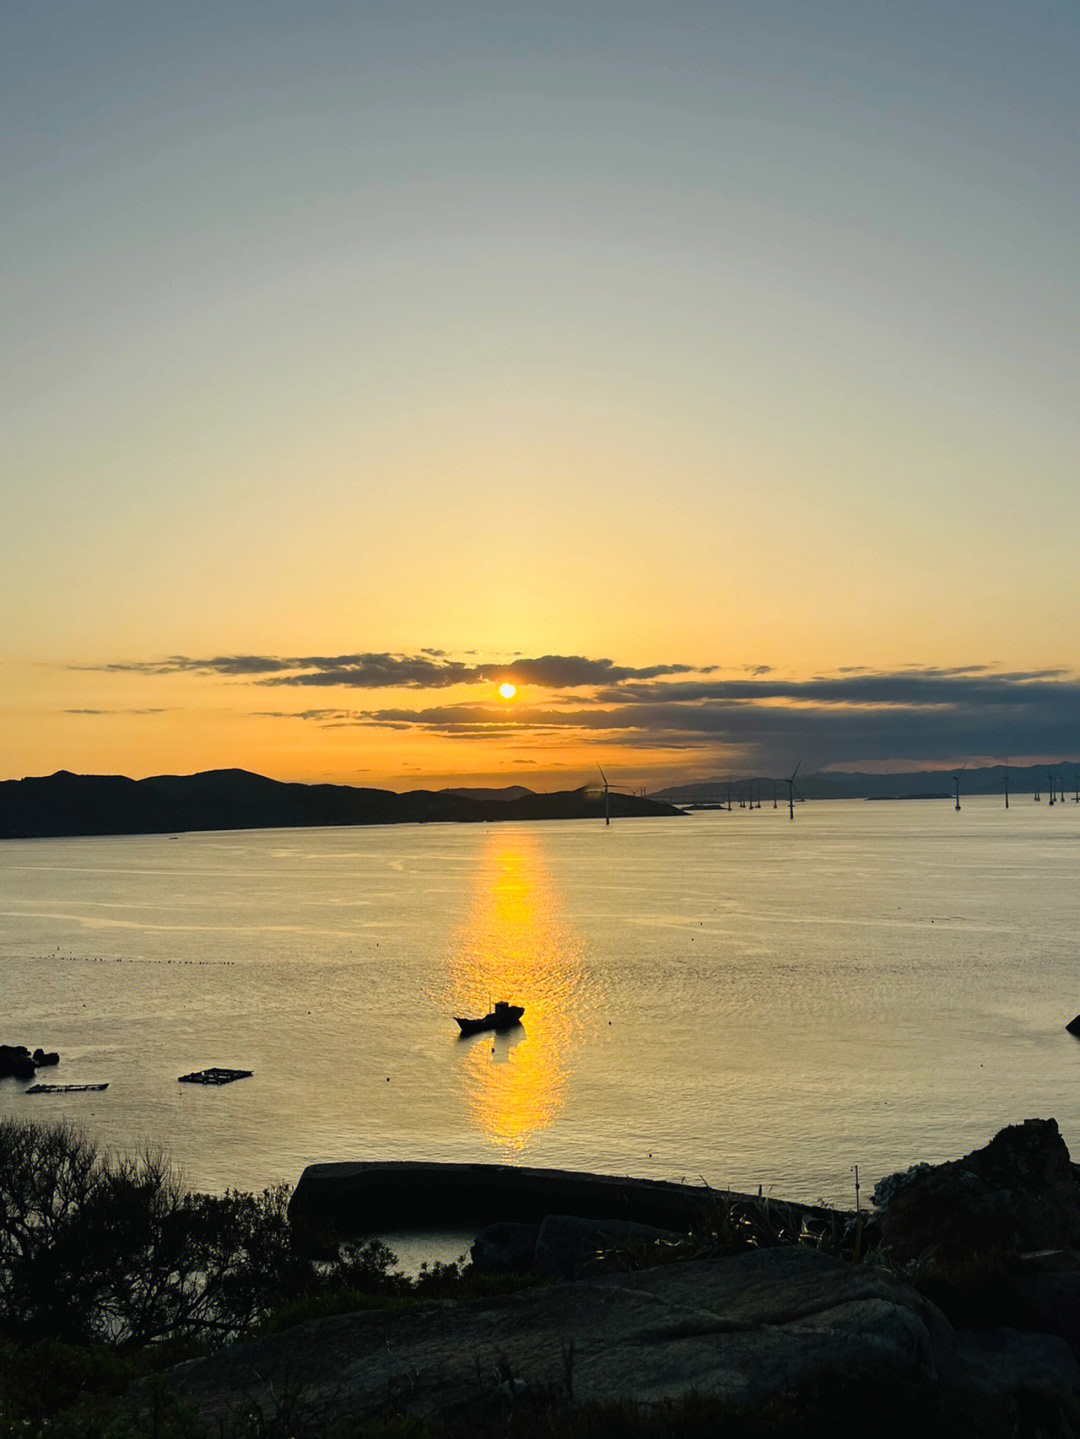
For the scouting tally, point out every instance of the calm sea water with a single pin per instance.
(728, 996)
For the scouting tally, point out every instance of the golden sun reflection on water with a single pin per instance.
(515, 945)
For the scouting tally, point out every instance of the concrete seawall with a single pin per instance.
(333, 1202)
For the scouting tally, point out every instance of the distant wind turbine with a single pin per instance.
(607, 789)
(791, 792)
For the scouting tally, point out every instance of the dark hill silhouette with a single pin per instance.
(71, 804)
(913, 784)
(512, 791)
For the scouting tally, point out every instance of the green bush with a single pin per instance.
(101, 1249)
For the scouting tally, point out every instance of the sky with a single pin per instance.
(708, 371)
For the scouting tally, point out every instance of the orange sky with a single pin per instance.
(731, 342)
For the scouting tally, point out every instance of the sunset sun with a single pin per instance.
(508, 691)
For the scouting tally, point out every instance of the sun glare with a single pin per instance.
(508, 691)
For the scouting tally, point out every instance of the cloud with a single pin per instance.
(576, 672)
(428, 669)
(117, 712)
(752, 716)
(929, 716)
(183, 664)
(907, 688)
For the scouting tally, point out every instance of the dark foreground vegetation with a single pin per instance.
(111, 1273)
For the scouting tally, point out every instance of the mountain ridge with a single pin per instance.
(67, 804)
(908, 784)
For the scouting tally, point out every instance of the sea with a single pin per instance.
(731, 997)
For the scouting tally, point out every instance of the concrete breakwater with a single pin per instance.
(339, 1201)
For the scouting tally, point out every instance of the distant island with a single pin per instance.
(71, 804)
(909, 784)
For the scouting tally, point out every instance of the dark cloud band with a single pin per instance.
(908, 715)
(429, 669)
(922, 716)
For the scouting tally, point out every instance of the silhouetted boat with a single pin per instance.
(504, 1016)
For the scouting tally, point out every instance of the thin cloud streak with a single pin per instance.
(908, 688)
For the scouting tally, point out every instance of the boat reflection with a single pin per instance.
(516, 946)
(498, 1045)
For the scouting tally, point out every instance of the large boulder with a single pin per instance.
(746, 1328)
(992, 1363)
(564, 1246)
(1017, 1193)
(15, 1059)
(505, 1248)
(568, 1247)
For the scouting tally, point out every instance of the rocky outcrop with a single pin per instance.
(16, 1060)
(568, 1247)
(505, 1248)
(563, 1246)
(758, 1328)
(333, 1202)
(1017, 1193)
(745, 1328)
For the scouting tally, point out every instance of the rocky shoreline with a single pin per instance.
(16, 1060)
(998, 1233)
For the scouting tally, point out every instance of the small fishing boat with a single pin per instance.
(504, 1016)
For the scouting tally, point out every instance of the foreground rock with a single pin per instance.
(744, 1328)
(1017, 1193)
(567, 1247)
(563, 1246)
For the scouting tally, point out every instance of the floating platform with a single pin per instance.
(63, 1088)
(215, 1076)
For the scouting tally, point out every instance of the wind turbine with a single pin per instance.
(791, 792)
(956, 782)
(607, 788)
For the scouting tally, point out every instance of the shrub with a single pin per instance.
(96, 1248)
